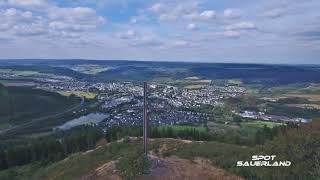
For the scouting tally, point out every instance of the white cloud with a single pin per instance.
(137, 19)
(209, 14)
(232, 13)
(146, 40)
(157, 8)
(191, 16)
(72, 22)
(246, 25)
(181, 43)
(76, 23)
(29, 30)
(168, 17)
(130, 34)
(13, 15)
(41, 18)
(140, 37)
(275, 13)
(192, 27)
(186, 10)
(28, 4)
(19, 22)
(232, 34)
(75, 15)
(65, 26)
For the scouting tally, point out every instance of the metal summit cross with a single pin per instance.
(145, 120)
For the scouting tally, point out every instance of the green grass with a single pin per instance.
(73, 167)
(38, 135)
(251, 127)
(4, 125)
(260, 124)
(183, 127)
(20, 73)
(220, 127)
(195, 86)
(235, 82)
(87, 95)
(82, 164)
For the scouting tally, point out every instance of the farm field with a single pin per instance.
(195, 87)
(16, 83)
(310, 97)
(260, 124)
(87, 95)
(305, 106)
(183, 127)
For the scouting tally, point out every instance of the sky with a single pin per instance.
(233, 31)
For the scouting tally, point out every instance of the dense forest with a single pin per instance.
(20, 104)
(298, 144)
(53, 148)
(50, 149)
(143, 70)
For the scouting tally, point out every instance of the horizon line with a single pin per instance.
(158, 61)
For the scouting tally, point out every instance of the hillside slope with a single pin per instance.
(184, 159)
(101, 164)
(19, 104)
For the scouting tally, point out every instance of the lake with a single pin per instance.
(94, 118)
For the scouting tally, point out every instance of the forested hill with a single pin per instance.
(298, 144)
(3, 90)
(146, 70)
(20, 104)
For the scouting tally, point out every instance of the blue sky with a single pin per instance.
(253, 31)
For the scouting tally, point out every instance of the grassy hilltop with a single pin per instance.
(123, 158)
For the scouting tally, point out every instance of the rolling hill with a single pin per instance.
(115, 70)
(19, 104)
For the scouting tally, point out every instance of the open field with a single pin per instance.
(192, 78)
(219, 128)
(260, 124)
(235, 82)
(310, 97)
(195, 87)
(192, 83)
(90, 68)
(305, 106)
(87, 95)
(4, 125)
(38, 135)
(19, 73)
(16, 83)
(182, 127)
(246, 129)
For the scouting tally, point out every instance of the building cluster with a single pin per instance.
(65, 86)
(117, 87)
(209, 95)
(113, 103)
(33, 76)
(265, 117)
(133, 117)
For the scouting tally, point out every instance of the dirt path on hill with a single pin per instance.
(174, 168)
(171, 168)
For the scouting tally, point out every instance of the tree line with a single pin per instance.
(50, 149)
(190, 133)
